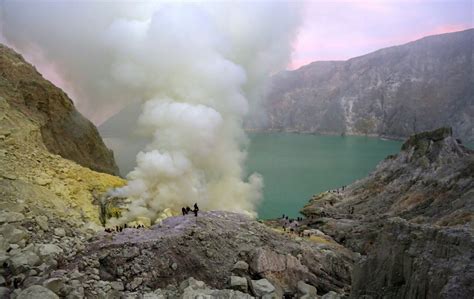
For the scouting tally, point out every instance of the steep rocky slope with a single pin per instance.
(412, 219)
(37, 121)
(62, 129)
(393, 92)
(47, 209)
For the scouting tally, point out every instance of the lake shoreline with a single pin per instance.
(297, 166)
(383, 137)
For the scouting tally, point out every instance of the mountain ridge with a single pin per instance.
(393, 92)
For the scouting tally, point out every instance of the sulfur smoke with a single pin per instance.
(197, 69)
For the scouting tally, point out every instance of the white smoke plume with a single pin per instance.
(196, 67)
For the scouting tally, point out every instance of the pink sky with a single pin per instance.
(331, 30)
(339, 30)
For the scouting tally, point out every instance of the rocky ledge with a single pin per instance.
(411, 219)
(224, 250)
(215, 255)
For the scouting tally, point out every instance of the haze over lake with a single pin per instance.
(296, 166)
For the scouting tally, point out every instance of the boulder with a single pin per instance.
(117, 285)
(261, 287)
(42, 222)
(265, 260)
(54, 284)
(306, 289)
(24, 260)
(7, 216)
(238, 283)
(60, 232)
(48, 250)
(12, 234)
(174, 266)
(240, 267)
(136, 282)
(37, 292)
(192, 283)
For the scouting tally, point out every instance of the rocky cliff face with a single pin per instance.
(62, 129)
(394, 92)
(411, 219)
(47, 209)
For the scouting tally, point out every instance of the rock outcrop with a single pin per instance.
(50, 115)
(393, 92)
(47, 209)
(224, 250)
(412, 220)
(37, 120)
(214, 255)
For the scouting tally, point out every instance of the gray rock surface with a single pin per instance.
(55, 284)
(305, 289)
(7, 217)
(417, 261)
(411, 220)
(210, 248)
(49, 250)
(261, 287)
(240, 267)
(238, 283)
(37, 292)
(393, 92)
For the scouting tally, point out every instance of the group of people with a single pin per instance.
(187, 210)
(120, 228)
(291, 225)
(338, 190)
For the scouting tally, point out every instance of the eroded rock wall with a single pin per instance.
(411, 220)
(393, 92)
(62, 129)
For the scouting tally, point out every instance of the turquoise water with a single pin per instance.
(296, 166)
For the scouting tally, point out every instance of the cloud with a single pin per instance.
(197, 69)
(339, 30)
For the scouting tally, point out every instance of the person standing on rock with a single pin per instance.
(183, 210)
(196, 209)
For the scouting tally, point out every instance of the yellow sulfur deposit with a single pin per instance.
(33, 179)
